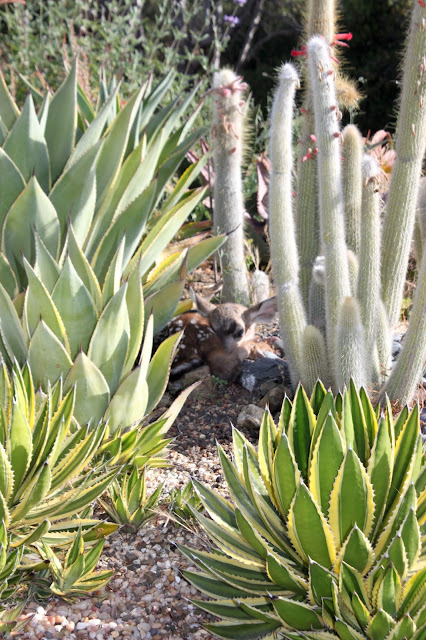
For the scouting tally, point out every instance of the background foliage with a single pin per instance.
(133, 37)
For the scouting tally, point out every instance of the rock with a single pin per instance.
(254, 373)
(200, 373)
(205, 389)
(396, 345)
(165, 401)
(250, 417)
(273, 399)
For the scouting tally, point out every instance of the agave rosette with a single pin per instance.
(109, 173)
(323, 536)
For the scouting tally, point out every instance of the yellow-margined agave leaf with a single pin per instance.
(356, 552)
(296, 615)
(380, 625)
(33, 495)
(308, 529)
(351, 500)
(411, 537)
(240, 444)
(301, 427)
(286, 475)
(403, 458)
(325, 462)
(6, 474)
(390, 526)
(267, 435)
(362, 437)
(19, 446)
(77, 458)
(380, 469)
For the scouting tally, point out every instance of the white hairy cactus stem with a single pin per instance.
(408, 369)
(260, 286)
(227, 135)
(352, 185)
(282, 230)
(369, 256)
(350, 346)
(410, 148)
(320, 19)
(384, 347)
(314, 359)
(332, 222)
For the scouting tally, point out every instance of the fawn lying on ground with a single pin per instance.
(221, 336)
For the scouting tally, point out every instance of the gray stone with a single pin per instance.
(205, 389)
(255, 373)
(250, 417)
(273, 399)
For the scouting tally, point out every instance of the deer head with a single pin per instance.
(221, 335)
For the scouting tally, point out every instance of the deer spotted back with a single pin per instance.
(221, 336)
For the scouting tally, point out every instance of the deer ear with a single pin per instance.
(264, 312)
(204, 306)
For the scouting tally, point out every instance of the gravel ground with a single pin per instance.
(148, 597)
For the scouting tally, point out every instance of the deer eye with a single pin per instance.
(239, 333)
(230, 329)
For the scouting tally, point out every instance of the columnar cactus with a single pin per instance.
(332, 223)
(352, 185)
(282, 231)
(320, 21)
(361, 279)
(411, 361)
(227, 134)
(369, 257)
(349, 349)
(410, 149)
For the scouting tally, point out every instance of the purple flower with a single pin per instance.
(233, 20)
(240, 2)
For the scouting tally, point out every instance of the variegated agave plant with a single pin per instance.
(323, 537)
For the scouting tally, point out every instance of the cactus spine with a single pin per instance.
(410, 149)
(330, 181)
(227, 133)
(282, 231)
(369, 256)
(352, 185)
